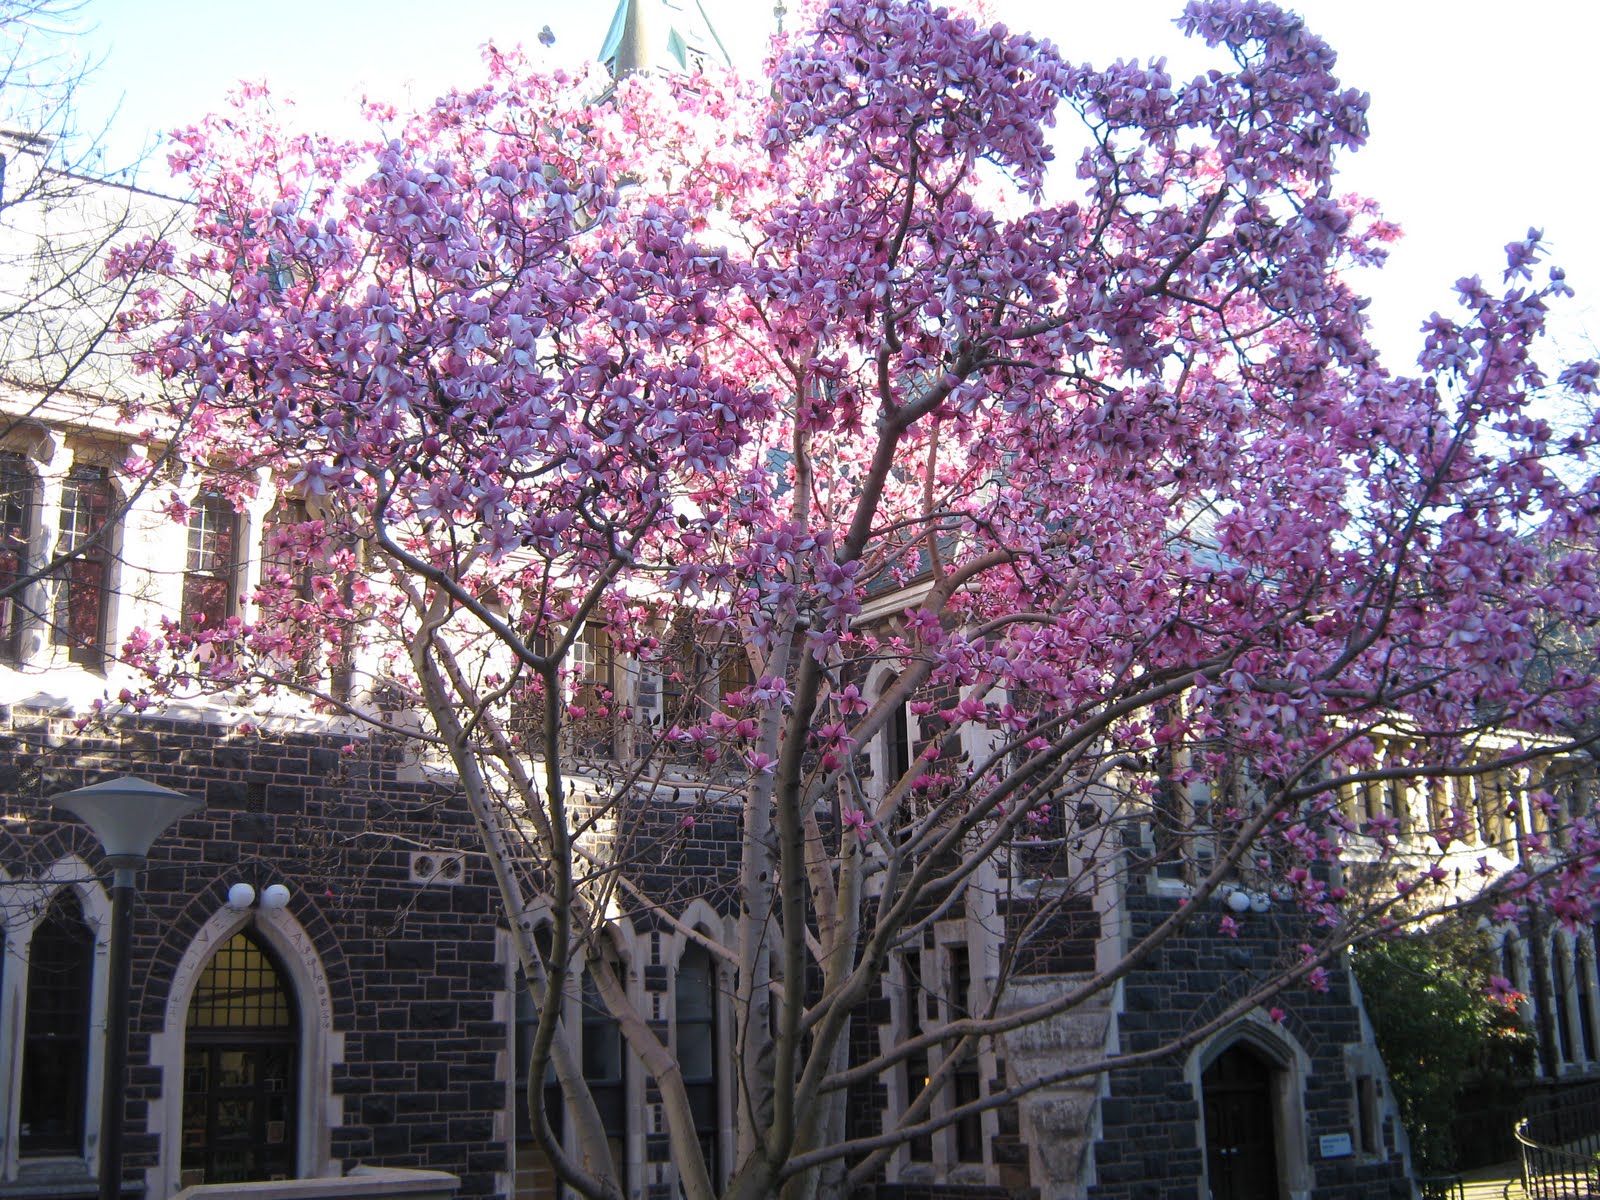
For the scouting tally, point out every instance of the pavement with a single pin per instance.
(1502, 1182)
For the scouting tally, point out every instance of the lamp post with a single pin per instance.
(126, 815)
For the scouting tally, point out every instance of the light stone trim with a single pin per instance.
(321, 1046)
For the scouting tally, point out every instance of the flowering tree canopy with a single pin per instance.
(943, 457)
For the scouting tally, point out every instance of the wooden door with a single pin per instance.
(1241, 1131)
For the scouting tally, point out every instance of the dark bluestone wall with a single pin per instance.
(412, 970)
(1151, 1146)
(414, 975)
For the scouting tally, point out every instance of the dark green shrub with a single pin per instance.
(1441, 1034)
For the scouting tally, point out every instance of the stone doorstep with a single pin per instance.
(373, 1183)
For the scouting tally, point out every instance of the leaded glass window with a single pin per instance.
(240, 1070)
(55, 1054)
(604, 1069)
(210, 580)
(82, 601)
(696, 1009)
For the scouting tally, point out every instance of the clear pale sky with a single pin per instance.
(1483, 115)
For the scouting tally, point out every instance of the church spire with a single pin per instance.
(661, 35)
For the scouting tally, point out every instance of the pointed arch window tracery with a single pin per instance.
(240, 1069)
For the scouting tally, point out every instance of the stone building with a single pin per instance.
(375, 1016)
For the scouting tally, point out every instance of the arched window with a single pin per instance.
(240, 1070)
(55, 1054)
(211, 575)
(82, 602)
(1508, 960)
(695, 1006)
(17, 500)
(603, 1056)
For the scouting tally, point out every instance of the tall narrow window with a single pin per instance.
(1462, 798)
(1561, 971)
(285, 563)
(285, 594)
(535, 1176)
(1508, 961)
(696, 666)
(675, 666)
(55, 1053)
(1438, 801)
(732, 663)
(1587, 1000)
(1171, 818)
(696, 1008)
(604, 1070)
(1369, 1117)
(16, 532)
(920, 1149)
(897, 748)
(593, 692)
(210, 580)
(82, 601)
(239, 1070)
(1494, 795)
(966, 1083)
(302, 568)
(1397, 804)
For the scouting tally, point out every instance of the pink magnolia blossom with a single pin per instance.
(863, 447)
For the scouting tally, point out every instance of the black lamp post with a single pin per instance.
(126, 815)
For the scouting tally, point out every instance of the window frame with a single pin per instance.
(70, 1141)
(19, 525)
(86, 552)
(704, 1090)
(609, 1092)
(296, 570)
(219, 562)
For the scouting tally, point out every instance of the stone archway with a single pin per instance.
(1250, 1080)
(242, 1043)
(23, 905)
(318, 1045)
(1238, 1092)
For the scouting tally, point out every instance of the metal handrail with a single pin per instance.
(1557, 1172)
(1566, 1116)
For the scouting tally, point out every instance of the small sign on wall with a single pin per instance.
(1336, 1145)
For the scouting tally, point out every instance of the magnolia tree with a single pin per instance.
(845, 412)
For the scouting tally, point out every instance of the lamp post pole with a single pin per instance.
(127, 816)
(124, 884)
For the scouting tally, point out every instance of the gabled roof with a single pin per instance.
(661, 35)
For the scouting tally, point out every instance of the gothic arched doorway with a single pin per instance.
(240, 1069)
(1241, 1125)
